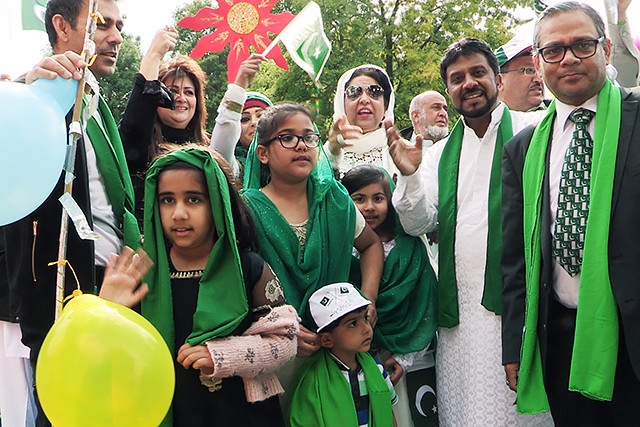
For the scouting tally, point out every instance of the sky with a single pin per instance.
(20, 50)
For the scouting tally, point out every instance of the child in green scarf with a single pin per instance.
(305, 221)
(406, 306)
(342, 385)
(217, 304)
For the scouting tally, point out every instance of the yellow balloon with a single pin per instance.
(102, 364)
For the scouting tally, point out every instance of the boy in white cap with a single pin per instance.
(341, 384)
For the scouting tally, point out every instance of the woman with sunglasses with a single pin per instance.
(364, 98)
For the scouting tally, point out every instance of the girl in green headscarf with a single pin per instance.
(216, 303)
(305, 221)
(407, 316)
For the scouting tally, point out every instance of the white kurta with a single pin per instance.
(470, 377)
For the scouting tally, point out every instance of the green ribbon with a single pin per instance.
(448, 171)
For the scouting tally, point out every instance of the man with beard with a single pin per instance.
(429, 116)
(457, 188)
(102, 185)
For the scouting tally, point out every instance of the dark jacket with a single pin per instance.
(623, 245)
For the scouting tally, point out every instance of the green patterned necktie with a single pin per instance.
(573, 198)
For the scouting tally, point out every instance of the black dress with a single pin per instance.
(193, 404)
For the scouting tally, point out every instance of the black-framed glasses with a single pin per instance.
(288, 140)
(373, 91)
(581, 49)
(527, 71)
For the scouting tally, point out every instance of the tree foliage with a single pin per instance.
(116, 88)
(405, 37)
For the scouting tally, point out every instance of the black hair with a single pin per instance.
(362, 175)
(242, 221)
(467, 47)
(69, 9)
(377, 75)
(270, 120)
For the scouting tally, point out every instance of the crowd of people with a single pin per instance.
(385, 277)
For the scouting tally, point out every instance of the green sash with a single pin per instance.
(407, 298)
(595, 349)
(326, 255)
(447, 217)
(222, 301)
(112, 165)
(322, 397)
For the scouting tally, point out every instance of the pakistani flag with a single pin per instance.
(33, 14)
(23, 35)
(306, 41)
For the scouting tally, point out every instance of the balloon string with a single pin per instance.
(76, 291)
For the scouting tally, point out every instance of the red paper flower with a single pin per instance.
(239, 24)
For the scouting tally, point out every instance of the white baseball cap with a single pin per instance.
(334, 301)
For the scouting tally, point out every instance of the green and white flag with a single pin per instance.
(306, 41)
(24, 40)
(33, 14)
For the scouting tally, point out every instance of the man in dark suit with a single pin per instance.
(571, 312)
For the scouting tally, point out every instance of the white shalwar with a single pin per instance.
(470, 377)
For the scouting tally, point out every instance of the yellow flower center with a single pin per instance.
(243, 18)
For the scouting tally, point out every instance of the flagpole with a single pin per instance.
(75, 133)
(271, 46)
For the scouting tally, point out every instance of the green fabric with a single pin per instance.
(222, 301)
(322, 396)
(325, 257)
(112, 165)
(447, 217)
(407, 297)
(595, 348)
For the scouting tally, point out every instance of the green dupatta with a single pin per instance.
(448, 169)
(325, 257)
(322, 397)
(112, 163)
(222, 301)
(407, 297)
(595, 348)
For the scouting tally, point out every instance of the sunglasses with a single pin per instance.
(373, 91)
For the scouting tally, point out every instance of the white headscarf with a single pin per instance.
(338, 100)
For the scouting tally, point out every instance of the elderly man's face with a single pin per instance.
(521, 92)
(572, 80)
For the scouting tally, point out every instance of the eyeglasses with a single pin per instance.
(581, 49)
(527, 71)
(373, 91)
(287, 140)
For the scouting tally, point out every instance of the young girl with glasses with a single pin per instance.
(364, 99)
(305, 220)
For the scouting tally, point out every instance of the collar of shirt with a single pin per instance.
(563, 111)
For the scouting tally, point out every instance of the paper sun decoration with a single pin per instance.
(239, 24)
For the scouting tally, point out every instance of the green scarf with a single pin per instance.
(112, 165)
(222, 301)
(447, 217)
(322, 397)
(595, 349)
(407, 298)
(325, 257)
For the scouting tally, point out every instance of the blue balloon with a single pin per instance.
(33, 141)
